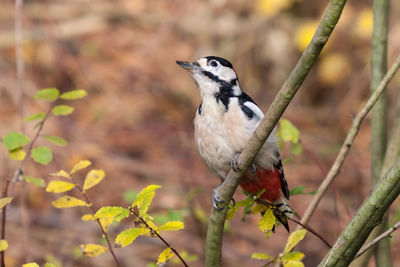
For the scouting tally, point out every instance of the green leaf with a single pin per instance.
(56, 140)
(42, 155)
(293, 239)
(17, 154)
(261, 256)
(34, 117)
(48, 94)
(4, 201)
(15, 140)
(296, 148)
(92, 178)
(74, 94)
(288, 132)
(144, 199)
(165, 255)
(130, 196)
(59, 186)
(128, 236)
(62, 110)
(300, 190)
(93, 250)
(3, 244)
(68, 202)
(293, 256)
(171, 226)
(49, 264)
(80, 165)
(39, 182)
(267, 221)
(106, 212)
(124, 214)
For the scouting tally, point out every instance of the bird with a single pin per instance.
(225, 120)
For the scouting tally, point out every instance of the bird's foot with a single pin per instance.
(234, 163)
(216, 201)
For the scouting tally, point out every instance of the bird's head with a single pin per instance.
(212, 75)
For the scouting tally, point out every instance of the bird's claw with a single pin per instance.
(234, 163)
(216, 201)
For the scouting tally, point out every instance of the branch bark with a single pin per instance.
(278, 106)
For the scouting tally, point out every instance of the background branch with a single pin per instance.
(278, 106)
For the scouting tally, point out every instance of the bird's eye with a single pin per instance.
(214, 63)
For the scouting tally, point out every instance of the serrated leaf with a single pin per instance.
(171, 226)
(106, 222)
(92, 178)
(62, 110)
(128, 236)
(4, 201)
(92, 250)
(17, 154)
(56, 140)
(88, 217)
(292, 264)
(68, 202)
(293, 256)
(293, 239)
(57, 186)
(80, 165)
(34, 117)
(288, 132)
(61, 173)
(144, 198)
(165, 255)
(107, 212)
(48, 94)
(261, 256)
(267, 221)
(74, 94)
(3, 244)
(13, 140)
(39, 182)
(30, 264)
(42, 155)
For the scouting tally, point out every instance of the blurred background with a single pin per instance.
(137, 121)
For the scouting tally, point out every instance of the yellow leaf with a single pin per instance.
(93, 250)
(107, 212)
(68, 202)
(261, 256)
(59, 186)
(293, 256)
(304, 34)
(267, 221)
(292, 264)
(4, 201)
(128, 236)
(80, 165)
(88, 217)
(144, 198)
(332, 67)
(30, 264)
(106, 222)
(258, 208)
(92, 178)
(17, 154)
(166, 255)
(3, 244)
(273, 7)
(232, 211)
(171, 226)
(293, 239)
(61, 173)
(364, 23)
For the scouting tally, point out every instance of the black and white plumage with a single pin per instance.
(224, 122)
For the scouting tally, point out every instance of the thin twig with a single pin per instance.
(93, 211)
(385, 234)
(348, 142)
(158, 235)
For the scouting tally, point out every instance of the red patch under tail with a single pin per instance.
(264, 179)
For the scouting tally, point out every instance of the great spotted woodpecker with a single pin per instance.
(224, 122)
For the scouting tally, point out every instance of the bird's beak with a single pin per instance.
(189, 66)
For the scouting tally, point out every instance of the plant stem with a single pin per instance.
(278, 106)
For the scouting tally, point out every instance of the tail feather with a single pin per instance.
(282, 213)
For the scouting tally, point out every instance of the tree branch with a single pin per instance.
(349, 141)
(278, 106)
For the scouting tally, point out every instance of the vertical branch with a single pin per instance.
(278, 106)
